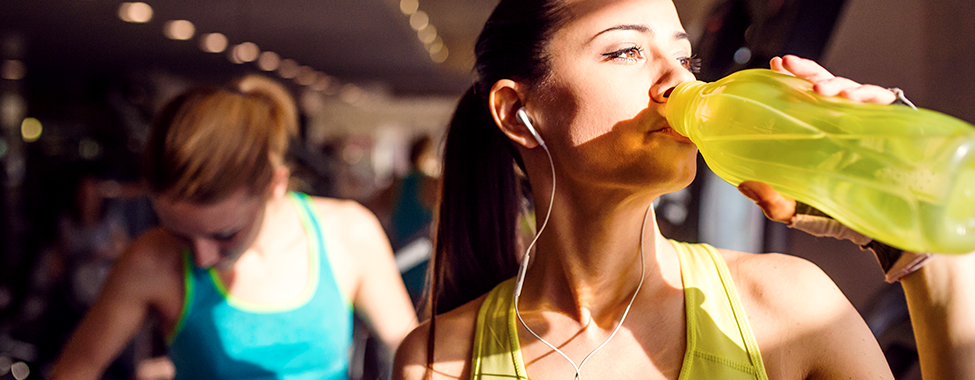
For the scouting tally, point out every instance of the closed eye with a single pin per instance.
(224, 236)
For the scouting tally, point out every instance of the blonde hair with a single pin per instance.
(209, 142)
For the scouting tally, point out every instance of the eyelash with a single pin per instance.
(619, 54)
(692, 63)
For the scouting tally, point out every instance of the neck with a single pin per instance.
(587, 261)
(274, 231)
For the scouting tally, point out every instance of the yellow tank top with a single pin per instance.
(720, 342)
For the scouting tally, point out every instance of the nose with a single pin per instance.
(673, 74)
(205, 253)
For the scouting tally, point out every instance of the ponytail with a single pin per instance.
(209, 142)
(474, 244)
(479, 204)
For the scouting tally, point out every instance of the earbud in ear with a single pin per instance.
(523, 116)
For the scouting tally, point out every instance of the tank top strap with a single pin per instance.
(497, 352)
(311, 220)
(198, 291)
(720, 341)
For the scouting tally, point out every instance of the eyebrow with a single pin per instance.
(638, 28)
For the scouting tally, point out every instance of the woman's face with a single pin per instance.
(603, 104)
(217, 233)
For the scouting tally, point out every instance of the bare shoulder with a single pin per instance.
(453, 343)
(779, 285)
(343, 209)
(156, 254)
(150, 273)
(348, 219)
(803, 323)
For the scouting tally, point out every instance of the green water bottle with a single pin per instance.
(904, 177)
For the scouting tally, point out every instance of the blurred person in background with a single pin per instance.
(574, 93)
(245, 279)
(415, 195)
(407, 207)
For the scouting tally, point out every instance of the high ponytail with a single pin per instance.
(210, 142)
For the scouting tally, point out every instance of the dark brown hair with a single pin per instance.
(479, 197)
(209, 142)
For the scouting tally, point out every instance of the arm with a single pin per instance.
(941, 300)
(117, 314)
(381, 298)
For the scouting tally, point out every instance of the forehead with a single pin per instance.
(189, 218)
(587, 18)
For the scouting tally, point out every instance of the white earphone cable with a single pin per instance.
(524, 268)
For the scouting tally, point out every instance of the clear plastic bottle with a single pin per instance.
(902, 176)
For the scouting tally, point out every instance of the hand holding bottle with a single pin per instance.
(783, 209)
(905, 177)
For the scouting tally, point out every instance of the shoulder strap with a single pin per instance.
(311, 220)
(720, 342)
(497, 352)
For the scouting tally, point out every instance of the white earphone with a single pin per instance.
(523, 116)
(520, 282)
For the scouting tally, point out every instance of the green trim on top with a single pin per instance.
(188, 293)
(312, 210)
(314, 265)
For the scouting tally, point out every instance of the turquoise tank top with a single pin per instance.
(720, 342)
(220, 336)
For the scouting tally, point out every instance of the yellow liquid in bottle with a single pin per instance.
(903, 177)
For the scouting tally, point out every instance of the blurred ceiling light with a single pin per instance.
(20, 370)
(213, 42)
(440, 56)
(435, 46)
(323, 83)
(135, 12)
(30, 129)
(419, 20)
(13, 70)
(246, 52)
(89, 149)
(427, 35)
(409, 7)
(181, 30)
(306, 76)
(268, 61)
(233, 57)
(288, 69)
(743, 55)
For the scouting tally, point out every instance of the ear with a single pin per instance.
(504, 100)
(279, 181)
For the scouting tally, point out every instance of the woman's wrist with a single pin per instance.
(895, 263)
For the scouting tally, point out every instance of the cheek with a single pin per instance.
(608, 106)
